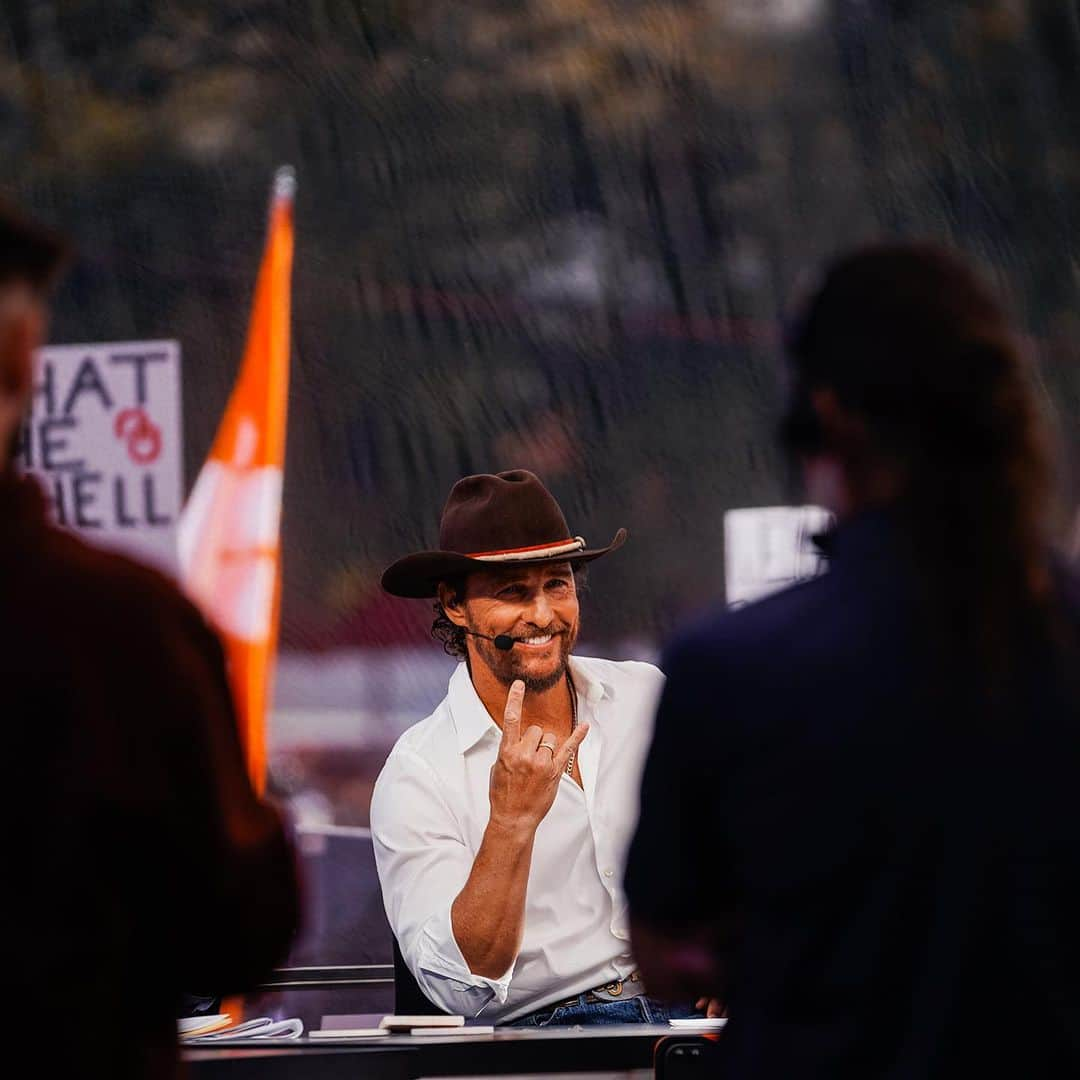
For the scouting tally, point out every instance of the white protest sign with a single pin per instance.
(104, 439)
(769, 547)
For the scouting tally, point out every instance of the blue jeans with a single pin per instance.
(636, 1010)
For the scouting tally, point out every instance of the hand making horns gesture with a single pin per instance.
(525, 776)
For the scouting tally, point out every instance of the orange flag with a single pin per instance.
(228, 534)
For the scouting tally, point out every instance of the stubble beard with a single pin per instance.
(504, 667)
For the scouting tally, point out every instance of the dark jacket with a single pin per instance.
(138, 857)
(899, 881)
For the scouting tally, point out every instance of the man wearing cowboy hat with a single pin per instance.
(501, 821)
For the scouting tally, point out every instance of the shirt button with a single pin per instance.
(622, 935)
(608, 873)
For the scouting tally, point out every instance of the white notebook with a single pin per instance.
(410, 1023)
(700, 1023)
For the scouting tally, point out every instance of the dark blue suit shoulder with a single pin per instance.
(753, 630)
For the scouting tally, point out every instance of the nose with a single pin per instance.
(539, 613)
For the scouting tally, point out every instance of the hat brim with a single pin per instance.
(417, 576)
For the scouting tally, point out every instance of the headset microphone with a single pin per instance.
(502, 641)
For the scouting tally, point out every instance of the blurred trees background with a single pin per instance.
(553, 233)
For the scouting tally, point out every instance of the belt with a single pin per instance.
(618, 990)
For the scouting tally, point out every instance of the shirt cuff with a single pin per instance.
(446, 978)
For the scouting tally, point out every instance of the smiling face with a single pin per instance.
(537, 604)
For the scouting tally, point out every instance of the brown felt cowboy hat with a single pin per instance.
(508, 518)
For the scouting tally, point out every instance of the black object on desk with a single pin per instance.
(306, 1063)
(687, 1057)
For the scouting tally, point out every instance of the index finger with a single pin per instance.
(573, 741)
(512, 713)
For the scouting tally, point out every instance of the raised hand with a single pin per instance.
(712, 1007)
(525, 776)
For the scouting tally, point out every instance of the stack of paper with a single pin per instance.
(262, 1027)
(190, 1026)
(411, 1025)
(700, 1023)
(415, 1023)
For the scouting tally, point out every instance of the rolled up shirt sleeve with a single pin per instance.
(423, 863)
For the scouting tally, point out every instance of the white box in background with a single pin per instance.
(769, 547)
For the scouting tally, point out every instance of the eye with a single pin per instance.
(558, 585)
(511, 592)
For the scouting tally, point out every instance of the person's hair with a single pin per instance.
(29, 252)
(452, 637)
(909, 339)
(443, 630)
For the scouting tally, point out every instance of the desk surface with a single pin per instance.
(615, 1047)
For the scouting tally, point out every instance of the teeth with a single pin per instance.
(542, 640)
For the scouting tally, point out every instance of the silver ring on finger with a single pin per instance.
(547, 746)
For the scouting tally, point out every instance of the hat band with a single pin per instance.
(538, 551)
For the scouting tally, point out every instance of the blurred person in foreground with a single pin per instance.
(864, 789)
(501, 822)
(140, 862)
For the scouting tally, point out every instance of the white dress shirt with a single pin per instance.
(428, 814)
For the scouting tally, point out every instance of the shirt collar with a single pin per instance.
(471, 719)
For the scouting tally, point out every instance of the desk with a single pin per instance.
(618, 1047)
(301, 1061)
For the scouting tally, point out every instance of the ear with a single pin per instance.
(453, 603)
(843, 431)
